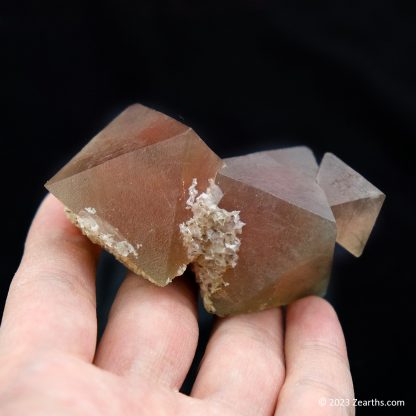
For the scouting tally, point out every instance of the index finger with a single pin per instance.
(51, 301)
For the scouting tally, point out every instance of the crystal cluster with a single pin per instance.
(258, 230)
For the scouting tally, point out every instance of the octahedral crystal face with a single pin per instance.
(299, 158)
(127, 189)
(289, 234)
(354, 201)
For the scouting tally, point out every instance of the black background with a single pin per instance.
(336, 76)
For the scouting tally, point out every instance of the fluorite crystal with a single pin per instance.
(354, 201)
(259, 231)
(288, 239)
(127, 188)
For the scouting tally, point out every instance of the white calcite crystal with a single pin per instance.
(95, 229)
(211, 238)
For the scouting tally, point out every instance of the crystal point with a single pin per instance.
(126, 189)
(300, 158)
(354, 201)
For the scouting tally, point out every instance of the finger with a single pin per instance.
(316, 362)
(51, 301)
(152, 332)
(243, 365)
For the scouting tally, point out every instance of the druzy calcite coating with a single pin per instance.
(354, 201)
(288, 239)
(127, 189)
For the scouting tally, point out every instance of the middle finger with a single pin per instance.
(243, 367)
(152, 332)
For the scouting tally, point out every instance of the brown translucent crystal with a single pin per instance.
(354, 201)
(259, 231)
(127, 189)
(288, 239)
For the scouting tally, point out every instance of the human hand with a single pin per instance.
(255, 364)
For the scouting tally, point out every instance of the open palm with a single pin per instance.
(256, 364)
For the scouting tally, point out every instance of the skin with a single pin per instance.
(267, 363)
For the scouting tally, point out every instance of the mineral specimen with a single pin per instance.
(354, 201)
(288, 239)
(258, 231)
(127, 189)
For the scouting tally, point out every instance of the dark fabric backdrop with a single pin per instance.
(336, 76)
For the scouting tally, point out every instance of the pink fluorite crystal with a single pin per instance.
(127, 189)
(354, 201)
(288, 240)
